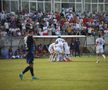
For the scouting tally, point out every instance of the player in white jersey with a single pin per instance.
(59, 40)
(59, 48)
(99, 48)
(52, 51)
(59, 51)
(66, 51)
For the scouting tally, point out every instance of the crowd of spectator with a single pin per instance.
(66, 22)
(20, 52)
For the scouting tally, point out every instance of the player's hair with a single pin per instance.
(30, 31)
(59, 36)
(99, 35)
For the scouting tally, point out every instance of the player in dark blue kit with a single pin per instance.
(30, 56)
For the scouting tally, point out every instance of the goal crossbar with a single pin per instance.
(62, 36)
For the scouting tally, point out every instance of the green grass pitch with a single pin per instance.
(81, 74)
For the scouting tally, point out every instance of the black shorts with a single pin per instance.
(30, 58)
(30, 61)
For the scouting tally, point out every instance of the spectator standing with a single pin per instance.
(77, 47)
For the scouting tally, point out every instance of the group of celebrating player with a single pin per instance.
(59, 50)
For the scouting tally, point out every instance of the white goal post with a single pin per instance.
(62, 36)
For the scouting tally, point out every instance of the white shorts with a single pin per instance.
(99, 50)
(58, 50)
(51, 51)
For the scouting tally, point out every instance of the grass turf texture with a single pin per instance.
(81, 74)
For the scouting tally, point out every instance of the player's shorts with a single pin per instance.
(99, 50)
(58, 50)
(30, 61)
(30, 57)
(51, 51)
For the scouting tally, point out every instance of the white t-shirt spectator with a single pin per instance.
(6, 24)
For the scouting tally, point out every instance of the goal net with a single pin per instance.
(42, 42)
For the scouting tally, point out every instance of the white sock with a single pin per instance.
(21, 73)
(103, 56)
(97, 60)
(51, 57)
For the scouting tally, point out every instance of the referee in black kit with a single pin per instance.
(30, 56)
